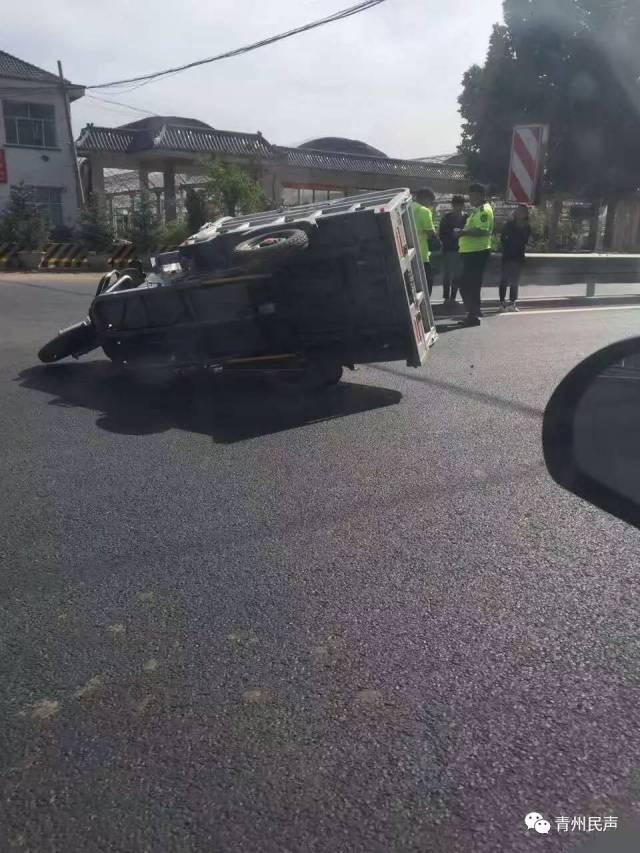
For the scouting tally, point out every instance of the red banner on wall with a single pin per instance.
(3, 167)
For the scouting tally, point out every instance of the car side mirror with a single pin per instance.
(591, 431)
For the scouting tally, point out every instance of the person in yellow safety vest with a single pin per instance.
(475, 248)
(423, 216)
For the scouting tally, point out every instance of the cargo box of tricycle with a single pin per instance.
(322, 285)
(345, 276)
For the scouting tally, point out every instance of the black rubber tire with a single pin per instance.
(317, 376)
(76, 340)
(272, 249)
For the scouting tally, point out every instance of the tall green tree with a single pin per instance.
(174, 233)
(234, 190)
(571, 64)
(196, 209)
(22, 221)
(94, 228)
(489, 103)
(144, 229)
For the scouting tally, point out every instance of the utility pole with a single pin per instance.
(72, 144)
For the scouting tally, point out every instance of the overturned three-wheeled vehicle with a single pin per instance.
(294, 294)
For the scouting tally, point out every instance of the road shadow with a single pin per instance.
(226, 408)
(469, 393)
(444, 327)
(449, 321)
(446, 312)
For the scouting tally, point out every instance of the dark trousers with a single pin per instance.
(473, 267)
(510, 277)
(428, 270)
(451, 267)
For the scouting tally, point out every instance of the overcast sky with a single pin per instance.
(389, 76)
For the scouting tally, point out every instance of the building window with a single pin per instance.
(309, 194)
(31, 125)
(49, 200)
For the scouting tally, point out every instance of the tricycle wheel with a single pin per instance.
(316, 376)
(76, 340)
(272, 249)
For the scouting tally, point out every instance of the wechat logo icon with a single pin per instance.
(537, 822)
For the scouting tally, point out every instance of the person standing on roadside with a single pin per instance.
(475, 247)
(514, 238)
(423, 216)
(451, 264)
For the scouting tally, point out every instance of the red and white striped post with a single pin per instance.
(526, 168)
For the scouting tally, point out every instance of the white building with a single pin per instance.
(35, 142)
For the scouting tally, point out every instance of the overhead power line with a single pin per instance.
(336, 16)
(121, 104)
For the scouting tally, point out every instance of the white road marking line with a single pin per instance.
(525, 312)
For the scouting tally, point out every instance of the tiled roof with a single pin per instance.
(198, 140)
(115, 139)
(11, 66)
(194, 140)
(305, 158)
(165, 136)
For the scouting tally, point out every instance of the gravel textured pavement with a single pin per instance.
(366, 622)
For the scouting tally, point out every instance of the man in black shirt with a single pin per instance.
(515, 236)
(451, 263)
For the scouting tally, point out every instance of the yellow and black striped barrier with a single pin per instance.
(67, 256)
(122, 256)
(8, 255)
(64, 256)
(127, 255)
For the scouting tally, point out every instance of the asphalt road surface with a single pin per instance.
(366, 622)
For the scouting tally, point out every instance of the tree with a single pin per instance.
(195, 204)
(489, 105)
(570, 64)
(175, 233)
(22, 222)
(233, 189)
(144, 229)
(94, 228)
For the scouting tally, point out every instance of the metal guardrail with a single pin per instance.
(556, 270)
